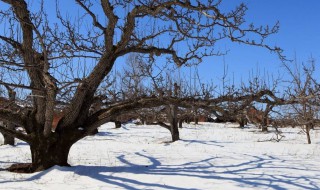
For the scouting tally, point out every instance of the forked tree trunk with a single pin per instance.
(173, 128)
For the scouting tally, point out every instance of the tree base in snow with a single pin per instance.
(23, 168)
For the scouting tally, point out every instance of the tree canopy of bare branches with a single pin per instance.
(72, 55)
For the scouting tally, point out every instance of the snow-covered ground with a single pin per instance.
(209, 156)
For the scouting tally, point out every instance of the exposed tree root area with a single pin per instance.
(21, 168)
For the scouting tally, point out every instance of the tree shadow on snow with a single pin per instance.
(243, 174)
(258, 172)
(214, 143)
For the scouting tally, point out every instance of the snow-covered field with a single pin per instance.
(209, 156)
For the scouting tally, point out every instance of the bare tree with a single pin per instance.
(171, 112)
(303, 91)
(65, 58)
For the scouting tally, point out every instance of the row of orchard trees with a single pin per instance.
(298, 104)
(280, 102)
(59, 64)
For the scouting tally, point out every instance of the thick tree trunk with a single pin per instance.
(7, 138)
(264, 128)
(173, 128)
(117, 124)
(196, 120)
(48, 153)
(174, 131)
(46, 156)
(242, 122)
(94, 132)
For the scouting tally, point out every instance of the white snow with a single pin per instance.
(209, 156)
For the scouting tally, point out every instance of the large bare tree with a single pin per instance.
(68, 58)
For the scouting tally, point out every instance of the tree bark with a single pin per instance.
(95, 131)
(174, 130)
(264, 125)
(187, 119)
(308, 133)
(196, 120)
(312, 126)
(242, 122)
(8, 139)
(175, 135)
(173, 118)
(264, 128)
(46, 154)
(117, 124)
(180, 123)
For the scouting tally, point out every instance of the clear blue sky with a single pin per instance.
(299, 34)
